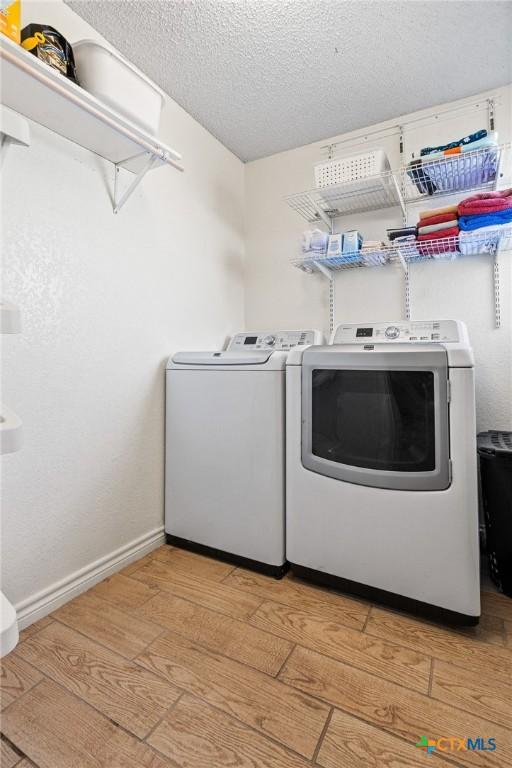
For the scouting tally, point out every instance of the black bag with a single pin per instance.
(51, 47)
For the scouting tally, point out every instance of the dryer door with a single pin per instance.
(377, 417)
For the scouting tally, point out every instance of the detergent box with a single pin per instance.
(10, 19)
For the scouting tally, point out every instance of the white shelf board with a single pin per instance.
(10, 430)
(32, 88)
(10, 318)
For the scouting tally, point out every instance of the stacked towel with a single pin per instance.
(486, 202)
(485, 219)
(433, 228)
(496, 218)
(437, 223)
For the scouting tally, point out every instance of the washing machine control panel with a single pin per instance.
(422, 331)
(283, 340)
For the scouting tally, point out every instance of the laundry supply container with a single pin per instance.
(118, 83)
(495, 452)
(356, 168)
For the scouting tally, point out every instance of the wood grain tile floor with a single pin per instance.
(180, 661)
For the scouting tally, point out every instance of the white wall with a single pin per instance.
(105, 299)
(281, 296)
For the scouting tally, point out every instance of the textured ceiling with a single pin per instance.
(269, 75)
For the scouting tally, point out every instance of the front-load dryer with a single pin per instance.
(381, 466)
(225, 448)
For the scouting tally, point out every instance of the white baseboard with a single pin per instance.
(42, 603)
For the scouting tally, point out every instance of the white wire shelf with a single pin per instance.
(327, 203)
(480, 169)
(441, 249)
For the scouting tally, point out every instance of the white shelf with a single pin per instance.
(327, 203)
(441, 249)
(32, 88)
(10, 318)
(10, 430)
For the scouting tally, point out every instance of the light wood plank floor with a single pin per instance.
(180, 661)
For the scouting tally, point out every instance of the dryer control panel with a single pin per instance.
(283, 340)
(423, 331)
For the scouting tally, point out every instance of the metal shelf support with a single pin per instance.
(407, 284)
(329, 275)
(496, 285)
(118, 203)
(327, 220)
(332, 298)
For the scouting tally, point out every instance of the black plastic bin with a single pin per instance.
(495, 451)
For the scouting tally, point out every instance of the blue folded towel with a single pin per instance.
(469, 223)
(491, 140)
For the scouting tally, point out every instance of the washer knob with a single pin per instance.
(392, 332)
(269, 341)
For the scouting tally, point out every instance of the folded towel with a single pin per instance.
(486, 202)
(401, 232)
(404, 239)
(437, 227)
(482, 143)
(441, 218)
(461, 142)
(450, 232)
(469, 223)
(438, 211)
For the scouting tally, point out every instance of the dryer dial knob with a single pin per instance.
(392, 332)
(269, 341)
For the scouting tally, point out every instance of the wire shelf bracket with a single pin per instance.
(120, 201)
(496, 286)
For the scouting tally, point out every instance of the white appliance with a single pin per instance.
(381, 466)
(225, 448)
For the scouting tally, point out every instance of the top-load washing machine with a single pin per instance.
(381, 466)
(225, 448)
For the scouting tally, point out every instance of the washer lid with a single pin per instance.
(221, 358)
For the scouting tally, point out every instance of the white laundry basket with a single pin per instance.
(116, 81)
(351, 169)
